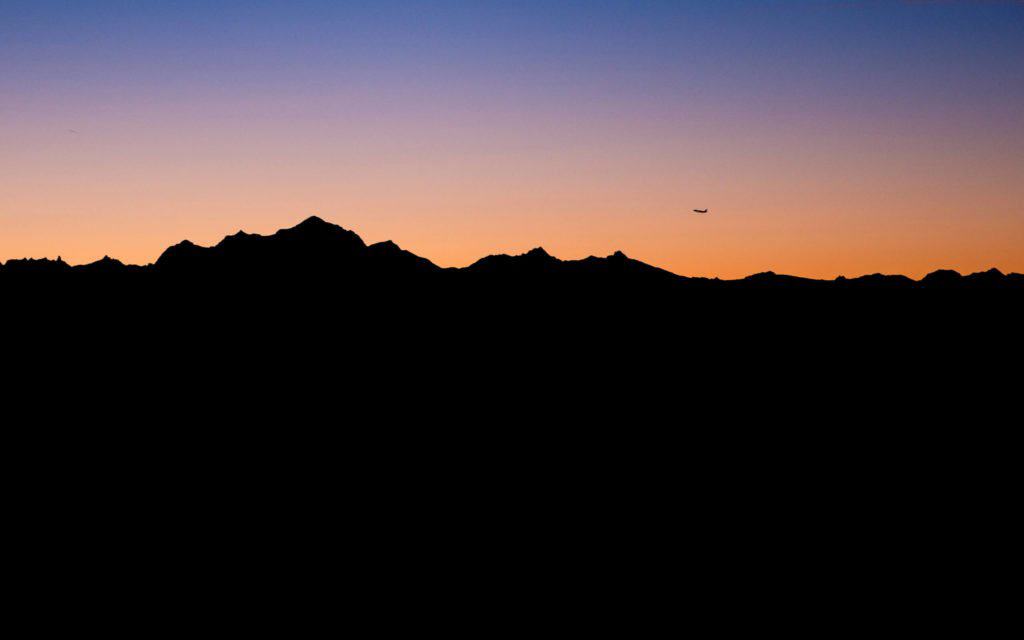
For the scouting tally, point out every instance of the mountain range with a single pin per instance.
(327, 251)
(312, 320)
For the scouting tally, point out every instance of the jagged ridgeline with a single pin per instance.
(318, 251)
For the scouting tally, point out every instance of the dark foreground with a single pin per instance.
(320, 301)
(599, 442)
(313, 312)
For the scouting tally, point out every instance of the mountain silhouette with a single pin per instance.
(317, 252)
(307, 351)
(35, 266)
(313, 245)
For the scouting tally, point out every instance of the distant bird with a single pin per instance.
(700, 210)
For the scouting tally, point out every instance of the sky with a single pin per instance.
(826, 137)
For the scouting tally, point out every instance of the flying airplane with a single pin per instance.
(700, 210)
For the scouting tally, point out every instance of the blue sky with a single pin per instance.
(650, 102)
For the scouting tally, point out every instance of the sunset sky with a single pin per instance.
(826, 137)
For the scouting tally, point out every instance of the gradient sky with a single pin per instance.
(826, 137)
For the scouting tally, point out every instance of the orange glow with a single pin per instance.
(817, 200)
(831, 140)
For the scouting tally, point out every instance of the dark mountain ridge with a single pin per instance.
(328, 251)
(313, 317)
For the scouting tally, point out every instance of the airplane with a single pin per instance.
(700, 210)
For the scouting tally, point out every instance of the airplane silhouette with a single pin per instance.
(700, 210)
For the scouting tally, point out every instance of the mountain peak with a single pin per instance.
(313, 222)
(539, 252)
(942, 276)
(327, 235)
(33, 265)
(104, 265)
(184, 250)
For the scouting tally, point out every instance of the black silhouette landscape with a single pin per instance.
(309, 369)
(316, 295)
(321, 253)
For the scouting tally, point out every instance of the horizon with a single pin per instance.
(540, 248)
(826, 138)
